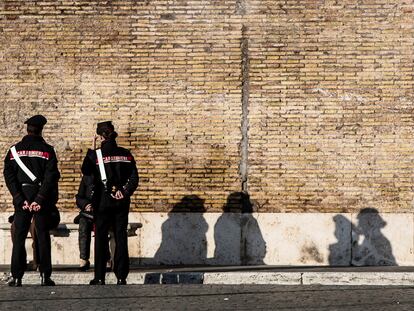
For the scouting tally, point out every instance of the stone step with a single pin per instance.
(354, 278)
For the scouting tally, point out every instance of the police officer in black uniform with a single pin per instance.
(114, 197)
(34, 197)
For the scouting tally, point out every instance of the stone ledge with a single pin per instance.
(307, 239)
(234, 278)
(64, 228)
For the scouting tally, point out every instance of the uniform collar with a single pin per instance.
(30, 138)
(109, 144)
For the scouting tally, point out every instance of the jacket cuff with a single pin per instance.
(18, 200)
(84, 205)
(40, 199)
(125, 192)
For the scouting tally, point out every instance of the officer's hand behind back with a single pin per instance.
(118, 195)
(26, 206)
(35, 207)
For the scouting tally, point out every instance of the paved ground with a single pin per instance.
(206, 297)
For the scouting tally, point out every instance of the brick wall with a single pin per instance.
(306, 104)
(331, 105)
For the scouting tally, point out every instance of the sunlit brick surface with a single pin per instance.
(329, 90)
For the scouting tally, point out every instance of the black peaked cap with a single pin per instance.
(37, 120)
(104, 126)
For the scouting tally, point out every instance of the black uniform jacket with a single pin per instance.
(41, 159)
(121, 172)
(86, 191)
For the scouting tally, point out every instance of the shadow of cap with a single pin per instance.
(371, 217)
(238, 202)
(190, 203)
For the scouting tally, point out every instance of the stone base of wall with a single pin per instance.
(314, 239)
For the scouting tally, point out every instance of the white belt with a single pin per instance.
(23, 166)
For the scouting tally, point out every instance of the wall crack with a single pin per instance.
(244, 145)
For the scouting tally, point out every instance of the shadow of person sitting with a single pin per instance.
(369, 246)
(340, 252)
(184, 239)
(237, 235)
(227, 233)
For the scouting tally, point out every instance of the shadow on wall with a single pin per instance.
(340, 252)
(369, 246)
(183, 242)
(184, 239)
(237, 235)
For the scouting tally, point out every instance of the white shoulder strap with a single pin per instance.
(19, 162)
(101, 165)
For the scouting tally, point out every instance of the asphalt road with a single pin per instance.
(205, 297)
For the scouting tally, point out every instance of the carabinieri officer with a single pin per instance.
(116, 178)
(31, 174)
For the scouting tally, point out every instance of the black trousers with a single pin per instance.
(84, 239)
(118, 220)
(22, 221)
(85, 229)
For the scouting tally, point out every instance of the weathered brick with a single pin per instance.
(329, 96)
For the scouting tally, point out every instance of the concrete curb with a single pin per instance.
(358, 278)
(245, 278)
(234, 278)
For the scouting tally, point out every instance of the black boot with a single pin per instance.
(15, 282)
(97, 282)
(121, 282)
(46, 281)
(85, 267)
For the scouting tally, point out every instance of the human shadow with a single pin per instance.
(237, 235)
(183, 242)
(362, 244)
(375, 249)
(184, 239)
(340, 252)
